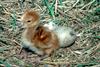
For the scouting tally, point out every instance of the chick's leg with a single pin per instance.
(49, 51)
(22, 53)
(36, 50)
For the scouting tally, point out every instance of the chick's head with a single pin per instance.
(30, 18)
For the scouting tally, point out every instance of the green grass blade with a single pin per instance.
(13, 20)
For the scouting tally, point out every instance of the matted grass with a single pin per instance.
(82, 15)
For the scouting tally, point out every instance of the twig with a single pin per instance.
(73, 5)
(56, 6)
(56, 63)
(14, 41)
(46, 62)
(38, 6)
(2, 65)
(88, 4)
(3, 19)
(67, 1)
(76, 3)
(61, 12)
(96, 48)
(98, 65)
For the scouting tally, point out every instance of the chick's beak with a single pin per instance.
(21, 24)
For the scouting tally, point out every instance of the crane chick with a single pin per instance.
(36, 37)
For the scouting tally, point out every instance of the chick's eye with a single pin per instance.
(28, 21)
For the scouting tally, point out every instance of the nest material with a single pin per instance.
(83, 16)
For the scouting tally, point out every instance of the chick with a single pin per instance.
(66, 35)
(36, 37)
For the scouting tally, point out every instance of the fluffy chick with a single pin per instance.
(36, 37)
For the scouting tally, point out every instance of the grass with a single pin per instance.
(82, 15)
